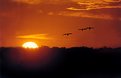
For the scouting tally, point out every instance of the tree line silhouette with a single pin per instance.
(75, 62)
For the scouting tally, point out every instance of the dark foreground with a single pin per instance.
(45, 62)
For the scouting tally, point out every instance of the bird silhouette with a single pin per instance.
(82, 29)
(87, 28)
(67, 34)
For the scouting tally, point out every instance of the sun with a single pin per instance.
(31, 45)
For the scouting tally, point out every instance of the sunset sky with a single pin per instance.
(45, 22)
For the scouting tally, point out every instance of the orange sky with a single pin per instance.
(45, 22)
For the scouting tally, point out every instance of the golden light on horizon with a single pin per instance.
(31, 45)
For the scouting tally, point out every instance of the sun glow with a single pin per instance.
(31, 45)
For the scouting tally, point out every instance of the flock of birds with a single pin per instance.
(81, 29)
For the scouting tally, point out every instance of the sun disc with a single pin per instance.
(30, 45)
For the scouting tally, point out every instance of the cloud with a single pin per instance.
(77, 5)
(67, 1)
(86, 15)
(112, 0)
(96, 4)
(34, 36)
(50, 13)
(92, 8)
(95, 1)
(28, 1)
(42, 1)
(77, 8)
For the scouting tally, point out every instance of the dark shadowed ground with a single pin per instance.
(45, 62)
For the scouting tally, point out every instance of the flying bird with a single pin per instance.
(82, 29)
(87, 28)
(67, 34)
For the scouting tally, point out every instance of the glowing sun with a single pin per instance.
(30, 45)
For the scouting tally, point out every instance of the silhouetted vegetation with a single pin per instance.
(45, 62)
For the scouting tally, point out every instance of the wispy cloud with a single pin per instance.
(42, 1)
(34, 36)
(86, 15)
(95, 4)
(91, 8)
(76, 8)
(68, 1)
(89, 4)
(28, 1)
(95, 1)
(112, 0)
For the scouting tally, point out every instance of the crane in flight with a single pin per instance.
(86, 28)
(67, 34)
